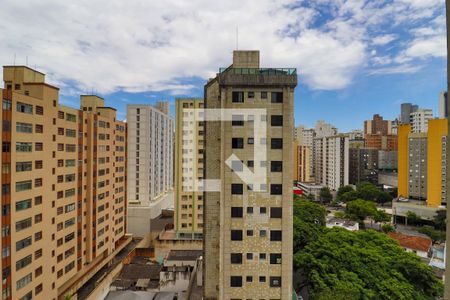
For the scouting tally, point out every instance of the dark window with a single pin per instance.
(276, 166)
(237, 188)
(251, 95)
(276, 189)
(236, 258)
(275, 281)
(262, 278)
(263, 95)
(276, 143)
(249, 278)
(249, 232)
(237, 120)
(236, 235)
(250, 163)
(275, 235)
(236, 281)
(236, 212)
(249, 210)
(250, 141)
(237, 143)
(262, 256)
(275, 258)
(276, 212)
(262, 210)
(276, 120)
(6, 147)
(250, 256)
(277, 97)
(238, 97)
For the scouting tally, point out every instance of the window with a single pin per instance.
(24, 108)
(262, 256)
(275, 258)
(262, 233)
(262, 278)
(38, 164)
(276, 189)
(70, 162)
(236, 281)
(6, 127)
(237, 120)
(39, 128)
(60, 114)
(22, 205)
(17, 86)
(6, 147)
(276, 120)
(275, 235)
(277, 97)
(71, 117)
(71, 133)
(236, 235)
(250, 210)
(250, 163)
(275, 281)
(238, 97)
(23, 224)
(38, 146)
(249, 232)
(6, 104)
(249, 278)
(24, 147)
(6, 168)
(37, 200)
(23, 262)
(38, 182)
(237, 143)
(237, 188)
(23, 282)
(39, 110)
(263, 95)
(276, 212)
(23, 185)
(276, 143)
(69, 222)
(69, 237)
(24, 166)
(236, 258)
(276, 166)
(251, 95)
(23, 243)
(24, 127)
(236, 212)
(250, 141)
(38, 218)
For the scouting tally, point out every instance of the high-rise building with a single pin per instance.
(406, 110)
(363, 165)
(356, 135)
(305, 138)
(302, 160)
(150, 164)
(419, 119)
(188, 168)
(248, 227)
(332, 161)
(63, 188)
(421, 163)
(443, 105)
(381, 142)
(387, 160)
(323, 129)
(377, 126)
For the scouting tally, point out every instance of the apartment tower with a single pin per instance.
(248, 228)
(189, 164)
(150, 164)
(63, 188)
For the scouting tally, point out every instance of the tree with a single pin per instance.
(435, 235)
(325, 195)
(311, 197)
(344, 189)
(368, 191)
(309, 221)
(339, 215)
(387, 228)
(349, 196)
(384, 197)
(412, 218)
(359, 210)
(381, 216)
(364, 264)
(440, 219)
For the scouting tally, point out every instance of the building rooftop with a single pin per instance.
(184, 254)
(412, 242)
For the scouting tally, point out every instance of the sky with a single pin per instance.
(354, 58)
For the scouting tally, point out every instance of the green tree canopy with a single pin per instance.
(349, 196)
(435, 235)
(381, 217)
(359, 209)
(413, 218)
(325, 195)
(309, 221)
(344, 189)
(367, 191)
(364, 265)
(384, 197)
(439, 219)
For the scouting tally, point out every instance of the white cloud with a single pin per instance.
(153, 45)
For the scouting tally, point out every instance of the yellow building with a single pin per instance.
(437, 132)
(188, 169)
(302, 159)
(63, 188)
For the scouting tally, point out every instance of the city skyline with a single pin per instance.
(354, 59)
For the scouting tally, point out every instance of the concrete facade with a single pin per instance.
(248, 234)
(419, 120)
(302, 161)
(363, 165)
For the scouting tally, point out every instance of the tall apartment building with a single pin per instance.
(419, 119)
(421, 163)
(63, 188)
(248, 233)
(323, 129)
(189, 165)
(356, 135)
(406, 110)
(150, 164)
(302, 161)
(305, 139)
(381, 142)
(377, 126)
(443, 105)
(363, 165)
(332, 161)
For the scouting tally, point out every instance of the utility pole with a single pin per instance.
(447, 248)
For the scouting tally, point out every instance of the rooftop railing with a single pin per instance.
(259, 71)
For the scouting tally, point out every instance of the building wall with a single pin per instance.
(437, 131)
(302, 160)
(188, 168)
(417, 165)
(403, 159)
(363, 165)
(419, 120)
(70, 165)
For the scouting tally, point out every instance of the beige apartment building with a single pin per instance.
(189, 149)
(248, 228)
(302, 160)
(63, 188)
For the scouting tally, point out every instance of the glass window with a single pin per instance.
(276, 143)
(236, 281)
(23, 185)
(23, 243)
(275, 281)
(237, 120)
(276, 120)
(24, 147)
(276, 189)
(237, 188)
(237, 212)
(24, 108)
(237, 143)
(276, 166)
(277, 97)
(238, 97)
(236, 235)
(236, 258)
(24, 166)
(22, 205)
(275, 258)
(24, 127)
(275, 235)
(276, 212)
(23, 262)
(71, 117)
(23, 224)
(23, 282)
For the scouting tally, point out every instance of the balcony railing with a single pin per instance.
(259, 71)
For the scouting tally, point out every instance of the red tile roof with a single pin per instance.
(412, 242)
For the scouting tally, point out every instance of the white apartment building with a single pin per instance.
(150, 163)
(419, 119)
(323, 129)
(331, 161)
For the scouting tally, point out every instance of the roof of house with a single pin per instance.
(338, 221)
(412, 242)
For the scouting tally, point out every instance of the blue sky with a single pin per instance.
(355, 58)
